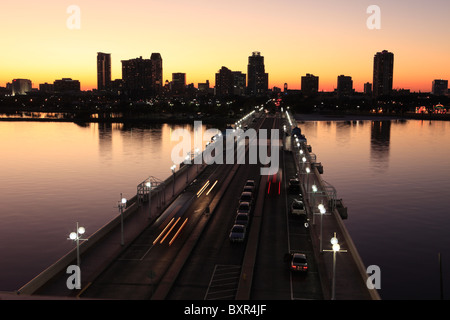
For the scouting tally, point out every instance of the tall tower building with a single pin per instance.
(137, 77)
(103, 71)
(344, 85)
(258, 79)
(310, 84)
(157, 73)
(383, 73)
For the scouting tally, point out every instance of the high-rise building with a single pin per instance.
(383, 73)
(137, 77)
(239, 81)
(368, 89)
(103, 71)
(258, 79)
(310, 84)
(46, 87)
(157, 73)
(439, 87)
(20, 86)
(178, 83)
(344, 85)
(224, 82)
(66, 85)
(143, 77)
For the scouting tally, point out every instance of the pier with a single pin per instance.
(175, 235)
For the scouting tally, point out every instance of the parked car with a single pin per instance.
(294, 186)
(248, 189)
(298, 262)
(298, 208)
(246, 197)
(237, 233)
(244, 207)
(250, 185)
(242, 219)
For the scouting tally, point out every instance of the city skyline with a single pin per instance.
(197, 39)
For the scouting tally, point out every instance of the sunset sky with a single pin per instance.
(326, 38)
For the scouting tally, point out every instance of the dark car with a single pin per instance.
(242, 219)
(246, 197)
(298, 262)
(294, 186)
(237, 233)
(244, 207)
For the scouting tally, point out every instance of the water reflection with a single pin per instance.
(380, 137)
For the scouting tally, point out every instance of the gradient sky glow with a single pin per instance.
(326, 38)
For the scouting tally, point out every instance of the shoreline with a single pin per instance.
(302, 117)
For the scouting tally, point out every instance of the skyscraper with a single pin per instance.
(137, 77)
(103, 71)
(439, 87)
(178, 83)
(310, 84)
(344, 85)
(383, 73)
(258, 79)
(157, 73)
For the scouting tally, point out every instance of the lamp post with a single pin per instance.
(308, 170)
(122, 204)
(335, 248)
(322, 211)
(75, 236)
(314, 190)
(173, 184)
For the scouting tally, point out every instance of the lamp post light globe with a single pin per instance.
(73, 236)
(336, 247)
(81, 230)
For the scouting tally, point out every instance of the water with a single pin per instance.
(57, 174)
(393, 177)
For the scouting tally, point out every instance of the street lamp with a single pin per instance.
(335, 248)
(122, 204)
(173, 185)
(322, 211)
(75, 236)
(308, 170)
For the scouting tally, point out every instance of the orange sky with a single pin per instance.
(198, 37)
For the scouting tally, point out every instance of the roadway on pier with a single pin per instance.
(139, 270)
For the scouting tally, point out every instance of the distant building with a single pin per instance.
(224, 82)
(178, 83)
(46, 87)
(157, 73)
(383, 73)
(258, 79)
(310, 84)
(20, 86)
(344, 85)
(66, 85)
(439, 87)
(103, 71)
(204, 87)
(229, 83)
(137, 77)
(368, 89)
